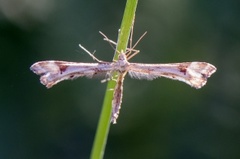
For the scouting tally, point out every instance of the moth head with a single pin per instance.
(122, 56)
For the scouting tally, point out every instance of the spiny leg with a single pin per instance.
(108, 40)
(114, 43)
(109, 76)
(135, 52)
(131, 36)
(90, 54)
(131, 52)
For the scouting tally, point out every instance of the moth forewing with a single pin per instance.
(193, 73)
(52, 72)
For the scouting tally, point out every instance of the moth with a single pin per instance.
(52, 72)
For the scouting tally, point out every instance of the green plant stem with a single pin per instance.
(105, 117)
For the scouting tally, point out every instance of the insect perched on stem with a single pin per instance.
(194, 74)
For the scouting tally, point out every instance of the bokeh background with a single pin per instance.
(159, 119)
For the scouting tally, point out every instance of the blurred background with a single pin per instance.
(159, 119)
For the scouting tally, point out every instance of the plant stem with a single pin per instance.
(105, 117)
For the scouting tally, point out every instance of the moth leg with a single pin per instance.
(90, 54)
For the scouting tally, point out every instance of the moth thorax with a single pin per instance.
(122, 62)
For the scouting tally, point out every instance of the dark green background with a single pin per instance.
(159, 119)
